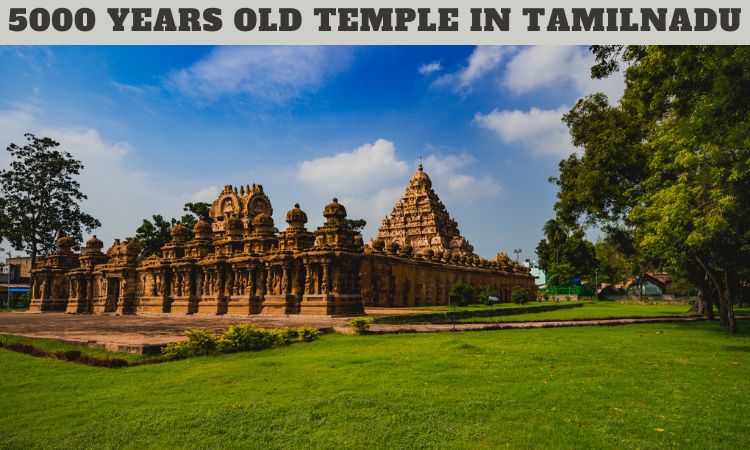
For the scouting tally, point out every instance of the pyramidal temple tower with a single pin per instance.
(421, 221)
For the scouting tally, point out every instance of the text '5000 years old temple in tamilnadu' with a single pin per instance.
(239, 263)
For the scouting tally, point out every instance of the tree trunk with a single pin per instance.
(699, 305)
(720, 286)
(729, 293)
(704, 304)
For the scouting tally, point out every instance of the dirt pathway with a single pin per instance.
(433, 328)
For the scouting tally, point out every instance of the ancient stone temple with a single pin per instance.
(420, 220)
(237, 262)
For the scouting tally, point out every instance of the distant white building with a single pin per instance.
(536, 272)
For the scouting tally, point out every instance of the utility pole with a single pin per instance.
(7, 287)
(518, 255)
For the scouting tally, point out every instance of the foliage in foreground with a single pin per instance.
(237, 338)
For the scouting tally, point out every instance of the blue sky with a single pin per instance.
(159, 126)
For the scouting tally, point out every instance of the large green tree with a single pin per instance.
(41, 197)
(666, 171)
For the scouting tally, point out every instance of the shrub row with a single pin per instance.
(448, 316)
(237, 338)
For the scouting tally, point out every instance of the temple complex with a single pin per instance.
(237, 262)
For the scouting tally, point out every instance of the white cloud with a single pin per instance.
(360, 170)
(273, 74)
(207, 194)
(538, 130)
(452, 185)
(119, 195)
(13, 124)
(430, 68)
(539, 67)
(482, 60)
(531, 69)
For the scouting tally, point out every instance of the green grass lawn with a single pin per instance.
(594, 310)
(646, 386)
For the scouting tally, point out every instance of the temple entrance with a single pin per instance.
(113, 294)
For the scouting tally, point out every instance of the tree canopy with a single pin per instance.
(573, 251)
(665, 173)
(41, 197)
(357, 224)
(154, 234)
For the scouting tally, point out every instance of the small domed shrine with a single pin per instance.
(237, 262)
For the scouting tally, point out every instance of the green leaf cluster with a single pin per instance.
(665, 172)
(40, 197)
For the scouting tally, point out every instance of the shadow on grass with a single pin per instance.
(713, 326)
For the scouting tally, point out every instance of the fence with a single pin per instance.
(567, 290)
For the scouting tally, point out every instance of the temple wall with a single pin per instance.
(311, 282)
(251, 268)
(393, 281)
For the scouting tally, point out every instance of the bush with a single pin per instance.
(461, 294)
(485, 292)
(307, 334)
(237, 338)
(245, 337)
(199, 343)
(360, 325)
(519, 295)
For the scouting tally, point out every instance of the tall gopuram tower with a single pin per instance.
(421, 221)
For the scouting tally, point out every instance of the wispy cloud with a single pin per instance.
(430, 68)
(567, 67)
(448, 177)
(271, 74)
(483, 60)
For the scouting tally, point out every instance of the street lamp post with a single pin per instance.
(518, 255)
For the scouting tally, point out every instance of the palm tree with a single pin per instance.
(556, 235)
